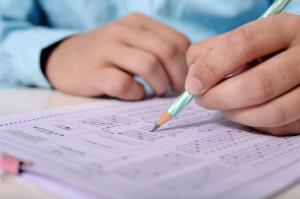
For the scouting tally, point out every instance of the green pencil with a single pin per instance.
(185, 98)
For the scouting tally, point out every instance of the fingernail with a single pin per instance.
(194, 86)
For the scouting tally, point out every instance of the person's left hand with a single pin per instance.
(265, 95)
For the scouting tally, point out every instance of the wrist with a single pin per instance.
(45, 55)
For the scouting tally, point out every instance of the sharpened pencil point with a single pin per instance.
(155, 127)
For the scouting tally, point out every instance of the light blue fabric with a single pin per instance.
(28, 26)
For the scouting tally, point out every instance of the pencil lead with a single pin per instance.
(155, 127)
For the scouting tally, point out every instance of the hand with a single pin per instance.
(266, 95)
(104, 61)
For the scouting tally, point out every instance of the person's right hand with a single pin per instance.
(105, 60)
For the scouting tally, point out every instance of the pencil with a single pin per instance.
(185, 98)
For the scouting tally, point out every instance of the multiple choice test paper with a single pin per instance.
(106, 149)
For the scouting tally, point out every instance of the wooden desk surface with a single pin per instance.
(25, 100)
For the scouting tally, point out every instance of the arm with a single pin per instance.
(24, 33)
(103, 61)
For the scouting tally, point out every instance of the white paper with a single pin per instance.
(106, 149)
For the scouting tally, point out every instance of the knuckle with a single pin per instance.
(137, 31)
(114, 30)
(191, 54)
(277, 116)
(243, 40)
(184, 41)
(132, 18)
(260, 86)
(135, 15)
(151, 64)
(209, 71)
(168, 50)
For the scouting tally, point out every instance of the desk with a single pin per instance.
(24, 100)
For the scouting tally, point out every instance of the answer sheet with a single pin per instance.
(106, 148)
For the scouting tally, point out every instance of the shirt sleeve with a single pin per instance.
(293, 7)
(24, 33)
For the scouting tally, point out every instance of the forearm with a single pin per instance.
(23, 36)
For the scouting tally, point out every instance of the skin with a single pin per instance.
(105, 60)
(265, 94)
(224, 71)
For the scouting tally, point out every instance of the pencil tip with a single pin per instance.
(155, 127)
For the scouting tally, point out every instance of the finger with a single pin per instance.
(288, 129)
(278, 112)
(172, 60)
(140, 63)
(200, 50)
(256, 86)
(171, 35)
(238, 48)
(116, 83)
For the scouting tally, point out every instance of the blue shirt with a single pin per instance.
(28, 26)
